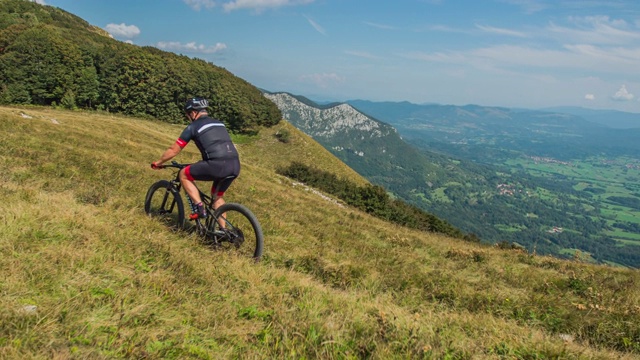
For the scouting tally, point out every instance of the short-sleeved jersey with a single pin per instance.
(211, 138)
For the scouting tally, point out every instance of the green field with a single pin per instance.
(600, 178)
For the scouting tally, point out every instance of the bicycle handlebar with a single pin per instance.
(174, 164)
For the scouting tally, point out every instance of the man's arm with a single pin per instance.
(169, 154)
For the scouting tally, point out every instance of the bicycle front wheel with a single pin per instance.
(164, 202)
(236, 227)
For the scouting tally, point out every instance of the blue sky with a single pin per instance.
(513, 53)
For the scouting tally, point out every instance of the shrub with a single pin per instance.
(283, 135)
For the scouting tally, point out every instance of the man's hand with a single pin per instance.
(155, 165)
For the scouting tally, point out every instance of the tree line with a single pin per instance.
(53, 58)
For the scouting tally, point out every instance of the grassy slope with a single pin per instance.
(85, 274)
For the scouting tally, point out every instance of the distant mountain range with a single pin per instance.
(452, 162)
(470, 131)
(610, 118)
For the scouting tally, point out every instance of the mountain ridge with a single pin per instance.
(622, 119)
(537, 132)
(343, 117)
(611, 118)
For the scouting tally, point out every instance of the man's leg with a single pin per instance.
(190, 187)
(219, 201)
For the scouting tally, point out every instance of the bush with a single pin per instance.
(283, 135)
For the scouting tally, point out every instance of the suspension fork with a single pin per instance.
(175, 188)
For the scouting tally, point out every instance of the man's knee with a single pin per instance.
(182, 175)
(219, 201)
(185, 174)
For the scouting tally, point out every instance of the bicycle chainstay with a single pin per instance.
(217, 237)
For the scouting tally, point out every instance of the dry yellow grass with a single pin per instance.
(85, 274)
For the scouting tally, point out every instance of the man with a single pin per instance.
(219, 155)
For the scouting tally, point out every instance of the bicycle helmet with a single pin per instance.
(196, 103)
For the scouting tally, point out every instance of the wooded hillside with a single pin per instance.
(51, 57)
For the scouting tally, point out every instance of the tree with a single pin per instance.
(88, 87)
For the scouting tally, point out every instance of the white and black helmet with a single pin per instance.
(196, 103)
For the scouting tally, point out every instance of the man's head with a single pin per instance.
(194, 107)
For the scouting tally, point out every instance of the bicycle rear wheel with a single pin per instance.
(164, 202)
(241, 231)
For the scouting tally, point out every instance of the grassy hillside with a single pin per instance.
(85, 274)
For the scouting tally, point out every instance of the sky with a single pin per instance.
(512, 53)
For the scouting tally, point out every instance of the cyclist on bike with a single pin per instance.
(219, 155)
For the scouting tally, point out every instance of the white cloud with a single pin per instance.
(260, 5)
(257, 5)
(199, 4)
(501, 31)
(323, 80)
(528, 6)
(592, 58)
(315, 25)
(590, 97)
(123, 30)
(444, 28)
(362, 54)
(595, 30)
(41, 2)
(379, 26)
(604, 59)
(622, 94)
(483, 29)
(441, 57)
(191, 47)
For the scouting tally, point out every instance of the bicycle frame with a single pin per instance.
(206, 199)
(177, 186)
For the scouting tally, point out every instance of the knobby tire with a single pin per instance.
(240, 222)
(164, 202)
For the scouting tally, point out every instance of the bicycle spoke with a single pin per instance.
(237, 230)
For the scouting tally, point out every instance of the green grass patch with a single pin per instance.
(439, 195)
(509, 228)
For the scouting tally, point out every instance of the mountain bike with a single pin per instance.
(231, 226)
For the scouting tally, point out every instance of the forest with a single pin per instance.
(53, 58)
